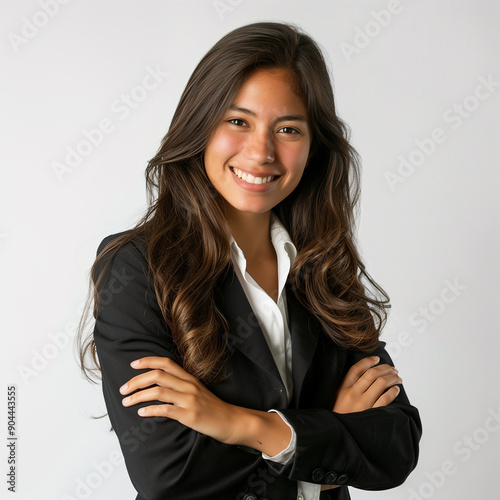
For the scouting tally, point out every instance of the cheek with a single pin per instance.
(295, 158)
(222, 147)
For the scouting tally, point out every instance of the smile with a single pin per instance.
(250, 179)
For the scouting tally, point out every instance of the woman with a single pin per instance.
(238, 345)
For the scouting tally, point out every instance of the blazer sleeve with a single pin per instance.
(164, 458)
(374, 449)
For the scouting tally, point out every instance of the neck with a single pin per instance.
(251, 232)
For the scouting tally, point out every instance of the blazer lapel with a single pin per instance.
(245, 333)
(304, 330)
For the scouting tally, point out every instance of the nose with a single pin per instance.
(259, 147)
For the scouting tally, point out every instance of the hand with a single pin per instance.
(367, 386)
(190, 403)
(187, 400)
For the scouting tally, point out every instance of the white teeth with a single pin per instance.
(250, 178)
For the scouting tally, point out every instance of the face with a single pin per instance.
(257, 154)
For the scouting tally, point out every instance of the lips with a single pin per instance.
(251, 179)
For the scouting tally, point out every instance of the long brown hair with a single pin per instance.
(185, 231)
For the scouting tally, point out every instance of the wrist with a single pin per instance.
(264, 431)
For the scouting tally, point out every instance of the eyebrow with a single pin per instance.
(285, 118)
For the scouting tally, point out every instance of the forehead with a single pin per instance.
(271, 87)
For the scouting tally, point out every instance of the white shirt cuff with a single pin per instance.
(283, 457)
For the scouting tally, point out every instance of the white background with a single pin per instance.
(433, 236)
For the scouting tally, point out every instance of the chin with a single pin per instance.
(252, 209)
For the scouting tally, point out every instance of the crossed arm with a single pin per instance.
(366, 385)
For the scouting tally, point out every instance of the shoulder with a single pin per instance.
(124, 242)
(120, 251)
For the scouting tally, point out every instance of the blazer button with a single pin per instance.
(330, 477)
(317, 475)
(343, 479)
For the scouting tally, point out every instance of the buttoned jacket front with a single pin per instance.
(375, 449)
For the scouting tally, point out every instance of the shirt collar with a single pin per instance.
(283, 245)
(281, 239)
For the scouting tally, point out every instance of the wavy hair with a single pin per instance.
(185, 230)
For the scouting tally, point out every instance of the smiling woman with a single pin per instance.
(245, 332)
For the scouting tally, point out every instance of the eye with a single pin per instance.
(288, 130)
(237, 122)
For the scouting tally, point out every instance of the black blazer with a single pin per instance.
(373, 450)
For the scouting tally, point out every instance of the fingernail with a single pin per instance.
(125, 401)
(141, 411)
(124, 388)
(135, 363)
(376, 359)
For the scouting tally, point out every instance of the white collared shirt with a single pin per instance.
(272, 317)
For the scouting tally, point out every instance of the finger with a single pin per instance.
(155, 377)
(379, 387)
(161, 363)
(152, 394)
(372, 375)
(357, 370)
(388, 397)
(171, 411)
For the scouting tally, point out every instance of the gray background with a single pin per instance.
(406, 82)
